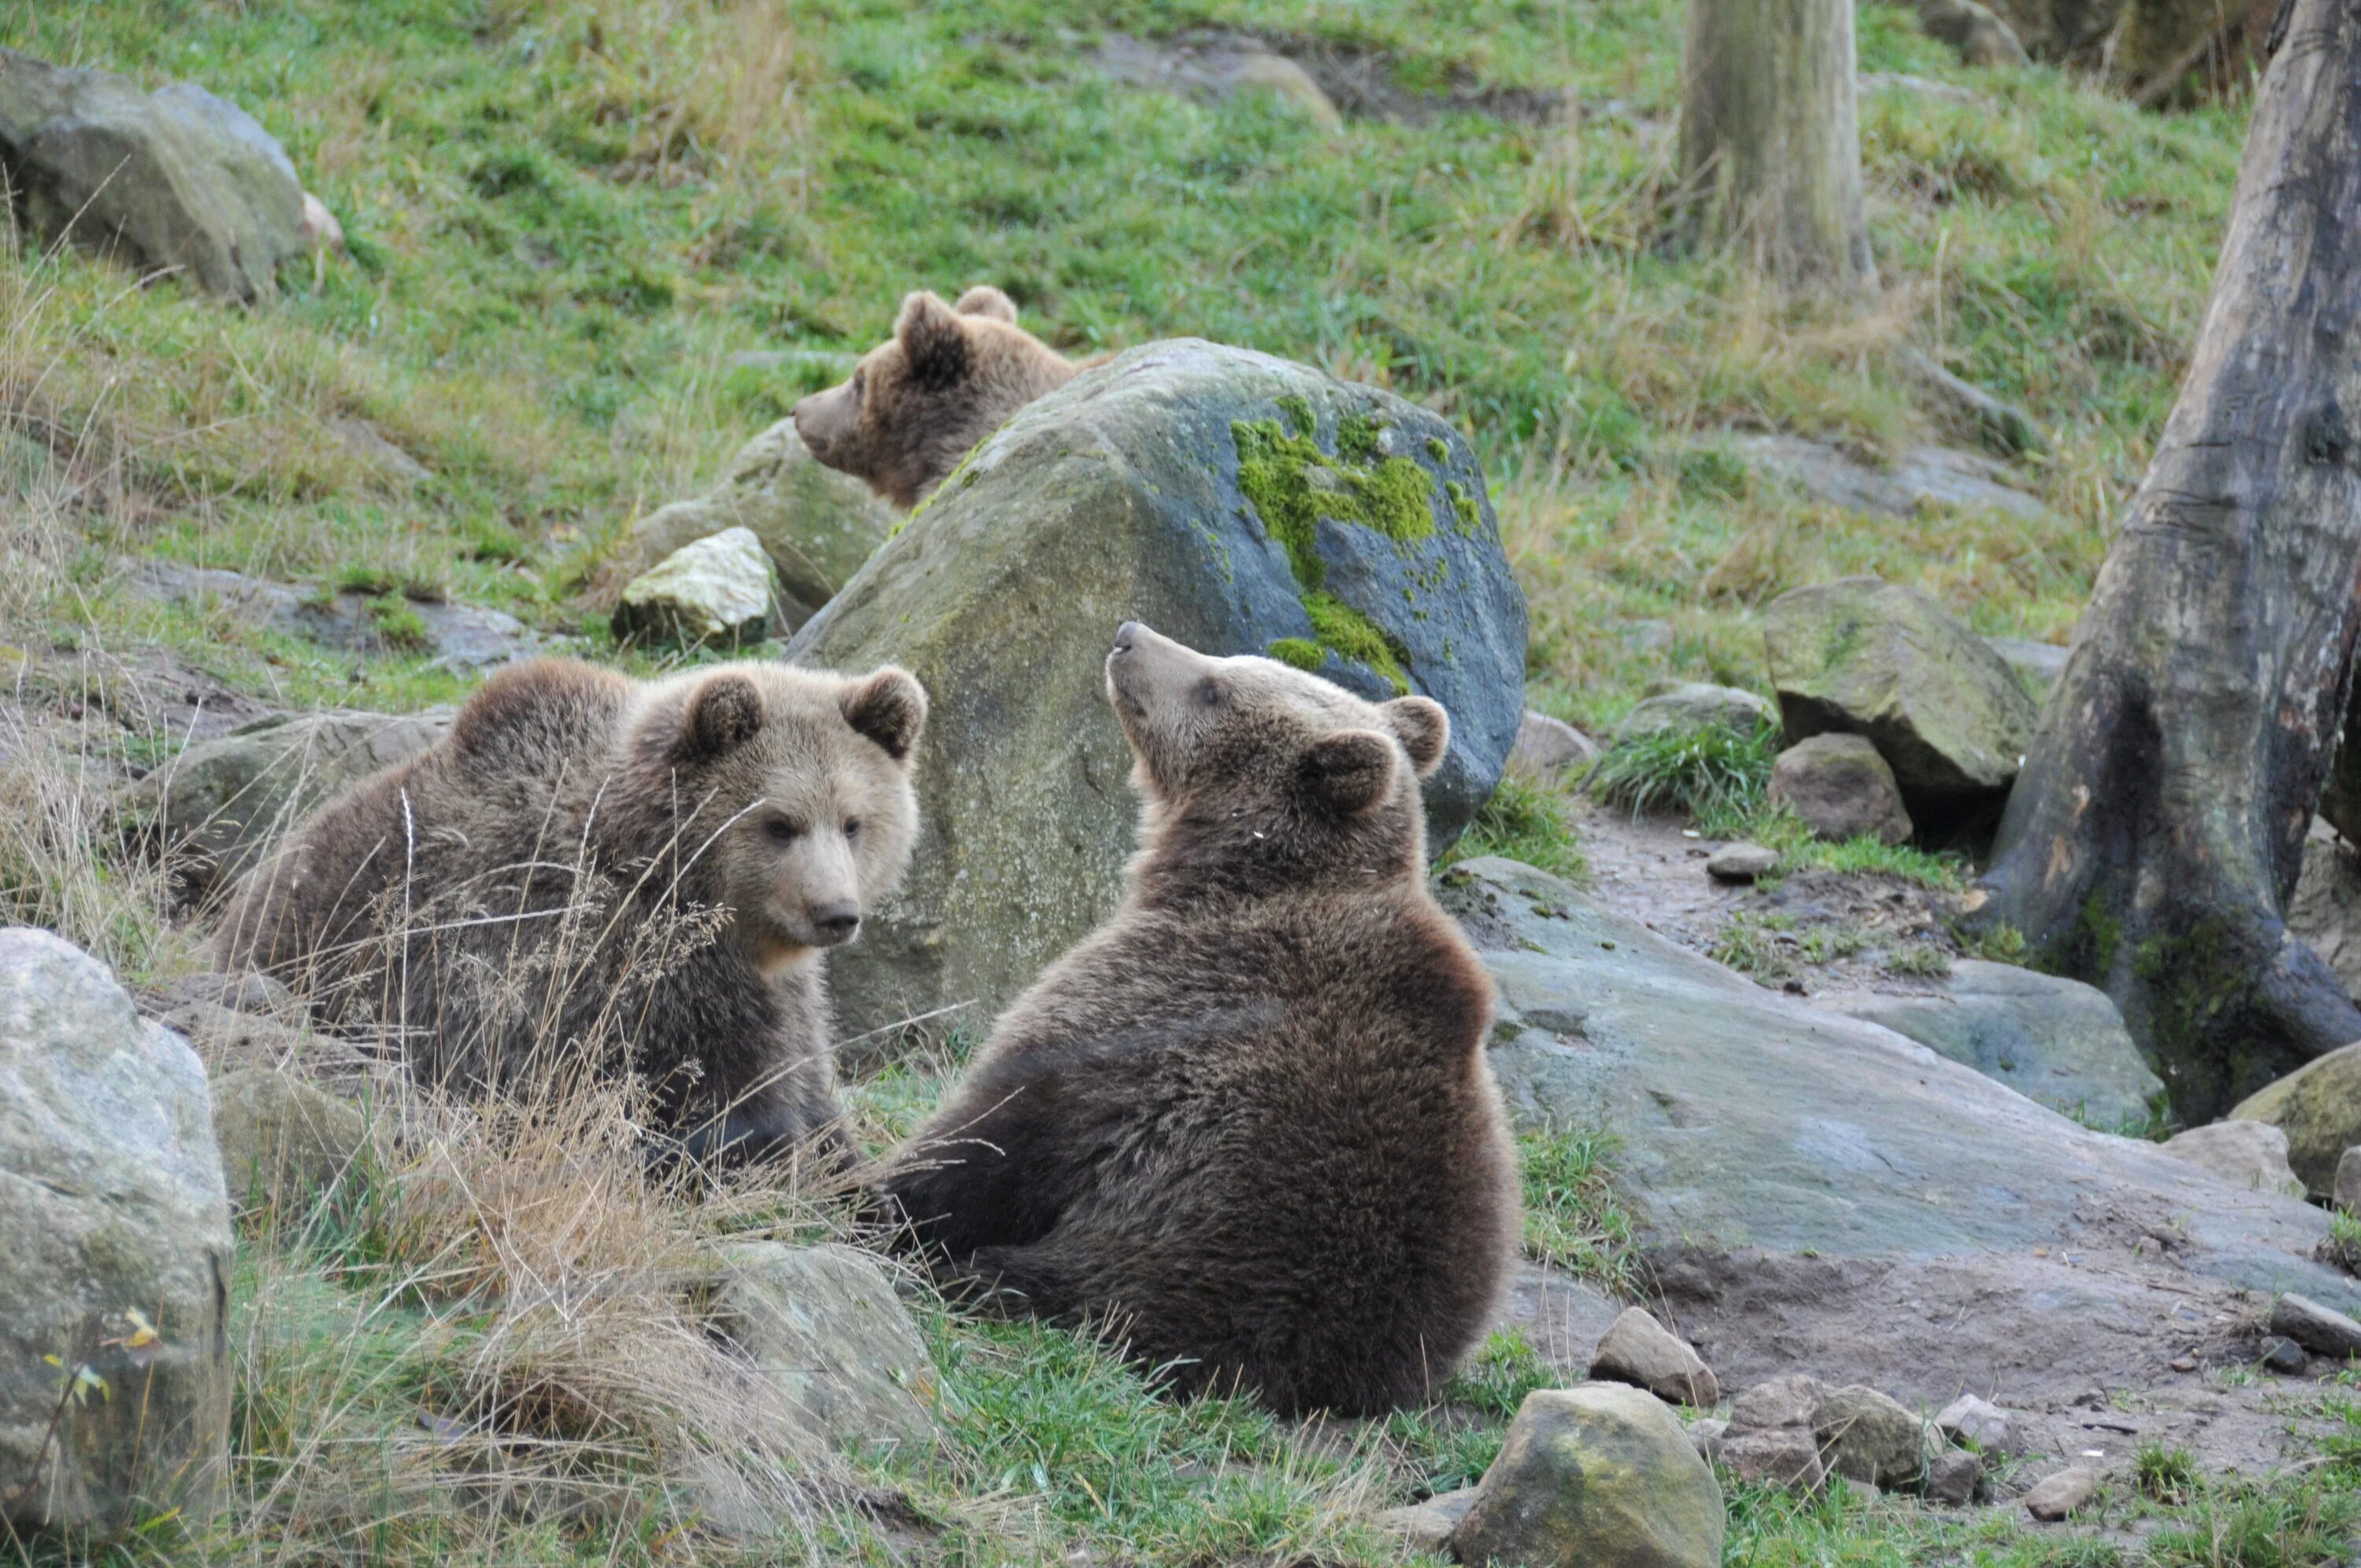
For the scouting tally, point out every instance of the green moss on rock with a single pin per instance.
(1299, 652)
(1355, 636)
(1292, 484)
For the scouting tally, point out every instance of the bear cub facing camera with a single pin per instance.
(1248, 1126)
(597, 872)
(918, 402)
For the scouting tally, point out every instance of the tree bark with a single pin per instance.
(2156, 829)
(1770, 140)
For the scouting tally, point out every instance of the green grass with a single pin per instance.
(1710, 774)
(1524, 821)
(1573, 1218)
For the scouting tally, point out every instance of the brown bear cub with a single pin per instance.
(1248, 1127)
(632, 877)
(918, 402)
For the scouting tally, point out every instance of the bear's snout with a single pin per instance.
(837, 923)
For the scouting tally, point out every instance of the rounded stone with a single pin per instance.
(1593, 1474)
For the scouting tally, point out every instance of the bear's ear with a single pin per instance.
(889, 708)
(1425, 729)
(723, 716)
(934, 344)
(1349, 772)
(984, 300)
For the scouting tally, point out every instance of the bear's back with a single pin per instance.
(1302, 1173)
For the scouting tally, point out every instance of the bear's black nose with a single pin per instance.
(1125, 635)
(836, 922)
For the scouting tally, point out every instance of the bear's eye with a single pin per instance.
(859, 380)
(782, 831)
(852, 828)
(1208, 692)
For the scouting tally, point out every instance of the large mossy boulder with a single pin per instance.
(2318, 1106)
(1862, 656)
(1596, 1474)
(116, 1233)
(824, 1325)
(1233, 501)
(175, 179)
(817, 524)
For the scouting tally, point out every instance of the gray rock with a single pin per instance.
(2347, 1193)
(2037, 665)
(2325, 908)
(1840, 788)
(2058, 1041)
(115, 1217)
(367, 443)
(1229, 69)
(2322, 1330)
(1969, 1419)
(1595, 1475)
(1706, 1436)
(1546, 746)
(283, 1140)
(816, 525)
(1686, 706)
(175, 179)
(824, 1325)
(720, 589)
(2284, 1356)
(1919, 476)
(2317, 1108)
(216, 808)
(1868, 1437)
(226, 1039)
(2058, 1495)
(1974, 33)
(1954, 1477)
(1777, 1404)
(1425, 1527)
(2253, 1155)
(1774, 1456)
(1130, 493)
(1642, 1351)
(1741, 863)
(1791, 1173)
(459, 637)
(1865, 657)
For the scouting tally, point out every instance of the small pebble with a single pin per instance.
(2283, 1355)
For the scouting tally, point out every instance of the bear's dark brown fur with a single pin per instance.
(918, 402)
(632, 875)
(1248, 1126)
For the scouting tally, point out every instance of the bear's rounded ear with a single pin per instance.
(934, 344)
(984, 300)
(1425, 729)
(889, 707)
(723, 716)
(1349, 772)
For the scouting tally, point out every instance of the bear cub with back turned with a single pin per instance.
(1248, 1126)
(918, 402)
(595, 872)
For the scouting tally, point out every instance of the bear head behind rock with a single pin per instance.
(918, 402)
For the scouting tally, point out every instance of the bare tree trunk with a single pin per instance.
(1770, 141)
(2155, 830)
(2164, 49)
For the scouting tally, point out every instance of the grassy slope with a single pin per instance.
(568, 215)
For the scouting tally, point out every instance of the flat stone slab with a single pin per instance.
(1811, 1190)
(1918, 477)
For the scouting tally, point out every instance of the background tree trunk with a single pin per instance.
(2167, 50)
(1770, 144)
(2157, 825)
